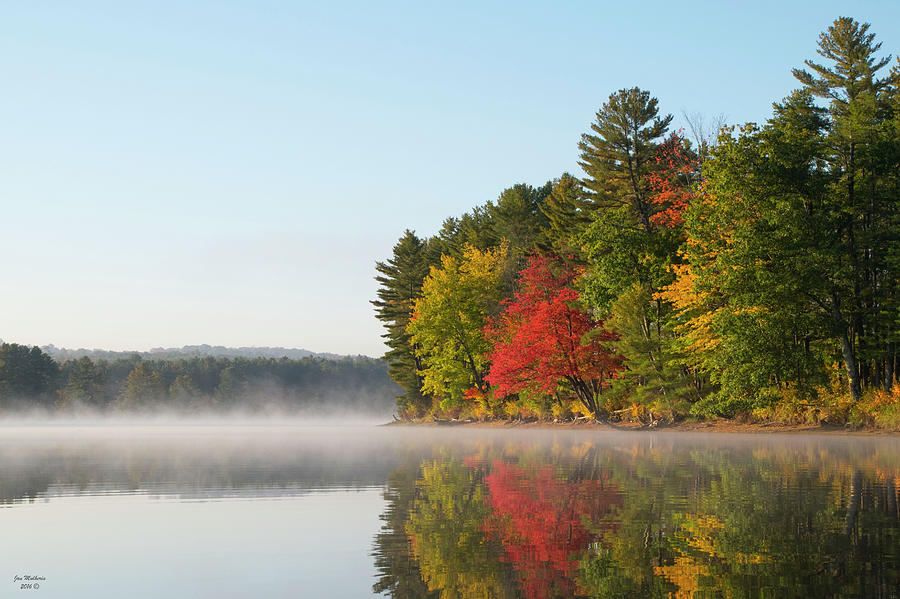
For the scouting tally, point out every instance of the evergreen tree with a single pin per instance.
(623, 245)
(619, 153)
(629, 250)
(476, 229)
(26, 375)
(400, 281)
(860, 151)
(517, 216)
(183, 393)
(567, 210)
(84, 383)
(791, 250)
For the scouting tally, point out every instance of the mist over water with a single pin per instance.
(267, 415)
(238, 507)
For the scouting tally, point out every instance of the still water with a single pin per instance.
(301, 511)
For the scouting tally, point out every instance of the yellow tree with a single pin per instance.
(446, 533)
(446, 326)
(143, 386)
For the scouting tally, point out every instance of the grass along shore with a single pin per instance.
(716, 425)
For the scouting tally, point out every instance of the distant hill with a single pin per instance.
(61, 354)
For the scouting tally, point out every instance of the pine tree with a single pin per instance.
(26, 374)
(860, 151)
(84, 383)
(568, 210)
(400, 284)
(629, 251)
(517, 216)
(622, 243)
(619, 153)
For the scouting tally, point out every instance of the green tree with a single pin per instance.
(27, 375)
(568, 210)
(762, 247)
(629, 253)
(85, 382)
(656, 376)
(623, 244)
(619, 153)
(518, 218)
(400, 283)
(791, 247)
(183, 392)
(475, 228)
(860, 153)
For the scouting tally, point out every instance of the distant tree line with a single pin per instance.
(61, 354)
(31, 378)
(753, 272)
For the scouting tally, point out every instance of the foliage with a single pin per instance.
(445, 531)
(543, 339)
(568, 210)
(618, 154)
(400, 283)
(541, 520)
(646, 519)
(85, 382)
(358, 385)
(143, 386)
(878, 408)
(786, 243)
(26, 375)
(733, 273)
(622, 243)
(632, 246)
(673, 184)
(446, 327)
(655, 377)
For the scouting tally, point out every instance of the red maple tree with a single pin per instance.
(672, 185)
(544, 338)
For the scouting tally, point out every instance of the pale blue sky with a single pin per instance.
(227, 172)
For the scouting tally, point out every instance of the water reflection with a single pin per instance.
(185, 464)
(465, 514)
(658, 516)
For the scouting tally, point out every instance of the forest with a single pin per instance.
(31, 380)
(750, 272)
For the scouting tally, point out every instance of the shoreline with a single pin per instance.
(708, 426)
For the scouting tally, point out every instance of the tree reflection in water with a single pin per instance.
(537, 521)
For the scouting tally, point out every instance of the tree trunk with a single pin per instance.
(851, 366)
(889, 367)
(850, 363)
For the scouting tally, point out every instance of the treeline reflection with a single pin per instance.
(185, 468)
(540, 521)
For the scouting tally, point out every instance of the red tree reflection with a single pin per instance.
(542, 522)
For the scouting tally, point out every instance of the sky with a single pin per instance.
(176, 173)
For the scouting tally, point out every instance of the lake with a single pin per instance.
(359, 511)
